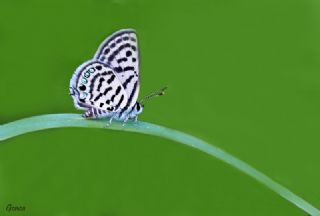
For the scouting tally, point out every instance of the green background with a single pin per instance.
(243, 75)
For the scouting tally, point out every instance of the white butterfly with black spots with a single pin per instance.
(108, 85)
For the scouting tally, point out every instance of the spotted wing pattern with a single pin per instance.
(120, 52)
(96, 86)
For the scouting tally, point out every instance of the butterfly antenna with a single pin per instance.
(153, 94)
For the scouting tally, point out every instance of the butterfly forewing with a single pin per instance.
(98, 87)
(120, 52)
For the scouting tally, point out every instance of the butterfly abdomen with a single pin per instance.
(94, 113)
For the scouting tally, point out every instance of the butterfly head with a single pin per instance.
(138, 108)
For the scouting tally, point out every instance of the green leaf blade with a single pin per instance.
(43, 122)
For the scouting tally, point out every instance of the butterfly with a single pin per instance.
(108, 85)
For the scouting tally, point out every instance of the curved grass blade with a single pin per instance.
(42, 122)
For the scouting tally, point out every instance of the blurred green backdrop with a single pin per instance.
(241, 74)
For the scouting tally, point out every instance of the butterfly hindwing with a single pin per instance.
(120, 52)
(98, 87)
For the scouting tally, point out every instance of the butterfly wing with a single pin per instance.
(120, 52)
(95, 85)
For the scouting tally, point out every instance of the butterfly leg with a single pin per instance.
(125, 121)
(110, 120)
(136, 119)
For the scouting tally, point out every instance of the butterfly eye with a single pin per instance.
(138, 107)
